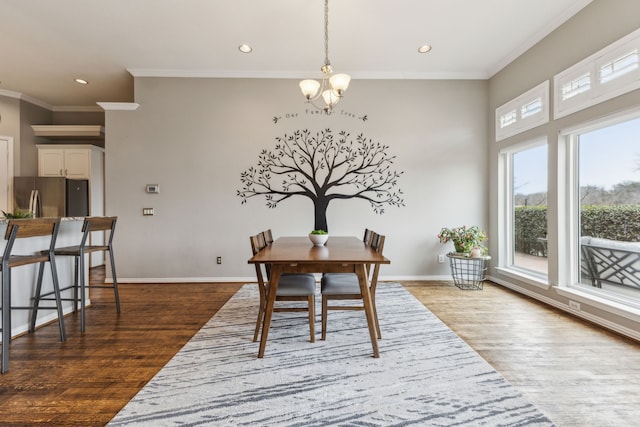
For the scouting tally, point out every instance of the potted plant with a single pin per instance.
(318, 237)
(18, 214)
(465, 239)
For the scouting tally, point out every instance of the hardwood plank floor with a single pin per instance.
(576, 373)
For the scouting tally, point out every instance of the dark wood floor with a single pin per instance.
(576, 373)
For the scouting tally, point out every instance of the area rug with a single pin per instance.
(426, 375)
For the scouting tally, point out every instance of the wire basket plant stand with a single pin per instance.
(468, 273)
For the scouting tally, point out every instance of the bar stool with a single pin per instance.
(19, 229)
(90, 225)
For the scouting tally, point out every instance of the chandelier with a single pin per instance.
(332, 86)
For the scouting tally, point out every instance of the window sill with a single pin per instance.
(525, 277)
(628, 311)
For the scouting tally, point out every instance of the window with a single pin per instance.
(524, 203)
(524, 112)
(607, 210)
(611, 72)
(576, 86)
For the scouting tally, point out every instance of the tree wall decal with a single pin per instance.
(324, 168)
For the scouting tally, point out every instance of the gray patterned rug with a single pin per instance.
(426, 375)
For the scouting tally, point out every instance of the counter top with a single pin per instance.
(67, 218)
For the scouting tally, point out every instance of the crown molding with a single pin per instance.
(119, 106)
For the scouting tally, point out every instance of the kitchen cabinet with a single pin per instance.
(72, 163)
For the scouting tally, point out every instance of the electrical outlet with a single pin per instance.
(219, 260)
(574, 305)
(440, 259)
(148, 211)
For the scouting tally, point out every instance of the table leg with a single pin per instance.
(268, 311)
(368, 307)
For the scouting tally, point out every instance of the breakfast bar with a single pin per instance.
(24, 278)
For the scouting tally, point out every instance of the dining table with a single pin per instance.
(340, 254)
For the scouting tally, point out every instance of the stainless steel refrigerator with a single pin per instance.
(52, 196)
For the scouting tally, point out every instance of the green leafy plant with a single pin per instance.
(18, 214)
(319, 232)
(464, 238)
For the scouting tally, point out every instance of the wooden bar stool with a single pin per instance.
(19, 229)
(90, 225)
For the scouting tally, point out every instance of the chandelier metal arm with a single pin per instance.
(332, 87)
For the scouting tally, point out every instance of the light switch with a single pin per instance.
(147, 211)
(153, 188)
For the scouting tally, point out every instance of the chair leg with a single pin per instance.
(6, 318)
(259, 321)
(75, 283)
(81, 286)
(56, 291)
(375, 317)
(324, 317)
(115, 281)
(312, 317)
(36, 299)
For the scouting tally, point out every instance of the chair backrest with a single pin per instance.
(99, 223)
(32, 227)
(367, 236)
(257, 244)
(24, 228)
(268, 237)
(377, 243)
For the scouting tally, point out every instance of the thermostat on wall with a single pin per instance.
(153, 188)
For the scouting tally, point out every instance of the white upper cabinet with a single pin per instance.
(73, 163)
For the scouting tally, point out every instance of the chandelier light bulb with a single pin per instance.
(332, 86)
(330, 98)
(340, 82)
(309, 88)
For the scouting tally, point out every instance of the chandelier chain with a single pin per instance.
(326, 32)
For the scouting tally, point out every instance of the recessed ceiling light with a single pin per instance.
(81, 81)
(424, 49)
(245, 48)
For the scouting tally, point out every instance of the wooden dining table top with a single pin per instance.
(337, 249)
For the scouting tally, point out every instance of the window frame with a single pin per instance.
(522, 123)
(506, 230)
(569, 217)
(598, 91)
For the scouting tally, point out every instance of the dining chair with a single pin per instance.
(46, 228)
(79, 286)
(291, 287)
(345, 286)
(268, 236)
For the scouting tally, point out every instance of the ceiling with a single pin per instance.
(45, 44)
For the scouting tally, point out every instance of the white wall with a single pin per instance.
(194, 137)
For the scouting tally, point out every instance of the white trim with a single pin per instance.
(248, 74)
(598, 91)
(505, 261)
(519, 120)
(118, 106)
(525, 276)
(601, 303)
(10, 173)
